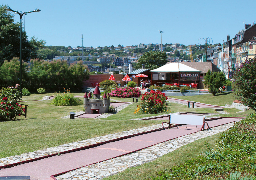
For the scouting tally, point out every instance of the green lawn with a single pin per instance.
(44, 127)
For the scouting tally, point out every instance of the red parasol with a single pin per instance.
(126, 78)
(112, 77)
(141, 75)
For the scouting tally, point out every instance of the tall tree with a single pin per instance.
(152, 60)
(10, 38)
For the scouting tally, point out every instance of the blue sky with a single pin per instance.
(113, 22)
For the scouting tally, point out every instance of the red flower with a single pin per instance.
(5, 98)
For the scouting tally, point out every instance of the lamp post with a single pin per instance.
(21, 14)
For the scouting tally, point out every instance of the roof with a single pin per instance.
(97, 90)
(204, 67)
(138, 71)
(175, 67)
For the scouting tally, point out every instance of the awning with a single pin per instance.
(175, 67)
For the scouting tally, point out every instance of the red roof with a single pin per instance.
(85, 95)
(97, 90)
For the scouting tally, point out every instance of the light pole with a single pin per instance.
(21, 14)
(161, 32)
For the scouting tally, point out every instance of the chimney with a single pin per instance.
(228, 37)
(247, 26)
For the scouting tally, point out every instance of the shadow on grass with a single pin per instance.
(224, 93)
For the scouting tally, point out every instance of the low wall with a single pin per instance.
(190, 93)
(97, 78)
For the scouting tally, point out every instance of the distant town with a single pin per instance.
(227, 55)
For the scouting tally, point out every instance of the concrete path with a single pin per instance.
(45, 168)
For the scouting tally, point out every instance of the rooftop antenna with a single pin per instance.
(82, 47)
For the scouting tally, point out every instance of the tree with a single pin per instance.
(245, 83)
(152, 60)
(177, 53)
(37, 48)
(214, 81)
(10, 38)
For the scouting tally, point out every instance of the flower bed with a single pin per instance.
(126, 92)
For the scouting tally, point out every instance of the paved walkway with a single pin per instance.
(56, 165)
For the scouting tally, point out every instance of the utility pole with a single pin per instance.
(206, 47)
(82, 47)
(161, 32)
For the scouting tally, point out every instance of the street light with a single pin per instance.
(21, 14)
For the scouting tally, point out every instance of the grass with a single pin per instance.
(44, 127)
(220, 99)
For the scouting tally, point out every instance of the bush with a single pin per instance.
(66, 99)
(214, 81)
(126, 92)
(9, 106)
(153, 102)
(107, 83)
(25, 92)
(184, 89)
(131, 84)
(41, 90)
(245, 83)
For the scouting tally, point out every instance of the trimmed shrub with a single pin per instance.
(9, 106)
(153, 102)
(41, 90)
(184, 89)
(131, 84)
(126, 92)
(107, 83)
(66, 99)
(214, 81)
(25, 92)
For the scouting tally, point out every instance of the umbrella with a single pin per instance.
(126, 78)
(112, 77)
(141, 75)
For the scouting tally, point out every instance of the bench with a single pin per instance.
(177, 119)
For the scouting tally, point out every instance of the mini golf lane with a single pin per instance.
(43, 169)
